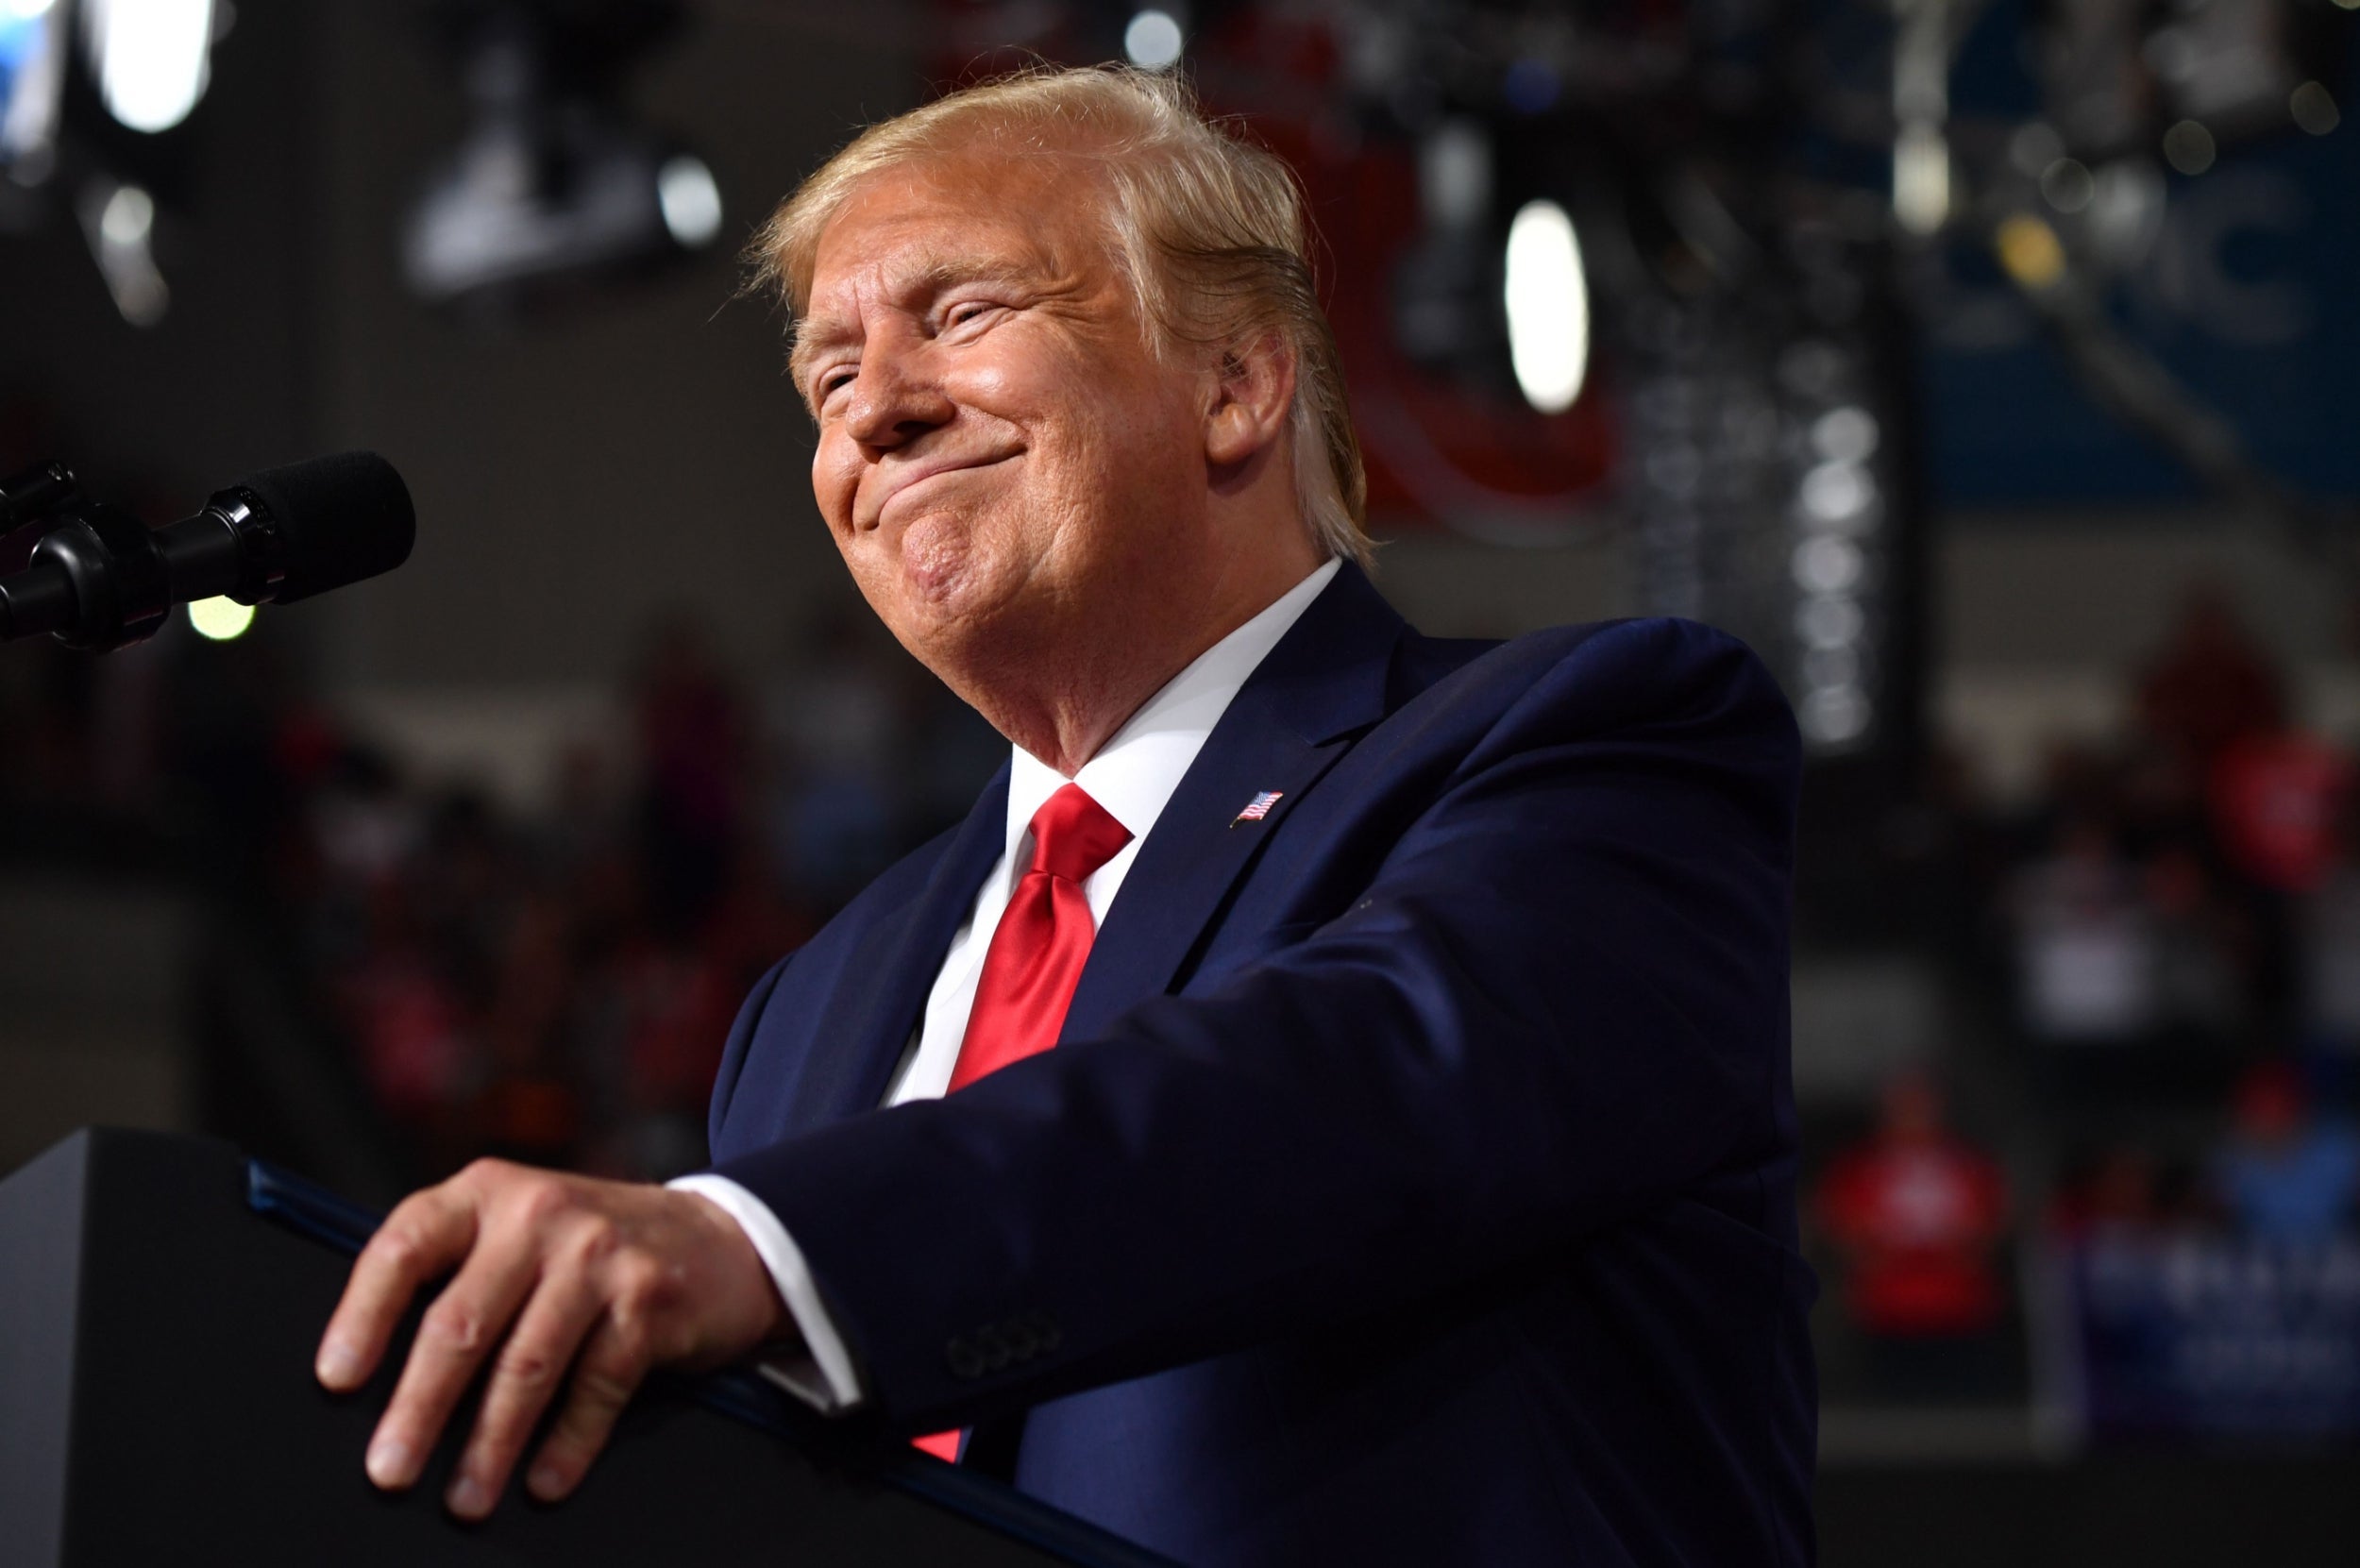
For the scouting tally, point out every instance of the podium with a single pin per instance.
(161, 1298)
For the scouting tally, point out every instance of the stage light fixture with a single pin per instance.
(553, 181)
(1548, 307)
(152, 57)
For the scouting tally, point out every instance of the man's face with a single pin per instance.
(1001, 461)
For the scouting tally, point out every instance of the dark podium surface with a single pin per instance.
(157, 1405)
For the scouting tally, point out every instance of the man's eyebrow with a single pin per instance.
(948, 272)
(816, 335)
(814, 338)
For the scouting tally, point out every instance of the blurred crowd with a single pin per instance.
(2195, 890)
(1929, 1249)
(2181, 916)
(553, 984)
(2152, 970)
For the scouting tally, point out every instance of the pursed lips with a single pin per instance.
(930, 469)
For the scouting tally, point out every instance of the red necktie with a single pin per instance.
(1035, 957)
(1043, 938)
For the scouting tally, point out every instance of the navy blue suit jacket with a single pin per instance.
(1414, 1179)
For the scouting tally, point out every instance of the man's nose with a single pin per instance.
(894, 401)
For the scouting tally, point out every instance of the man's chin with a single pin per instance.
(931, 572)
(928, 592)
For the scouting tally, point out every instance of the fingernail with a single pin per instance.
(468, 1498)
(545, 1482)
(390, 1462)
(338, 1365)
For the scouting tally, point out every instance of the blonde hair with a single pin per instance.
(1211, 230)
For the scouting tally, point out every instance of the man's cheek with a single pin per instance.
(836, 483)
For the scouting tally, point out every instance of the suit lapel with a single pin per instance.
(1295, 716)
(850, 1076)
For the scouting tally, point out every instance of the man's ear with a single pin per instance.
(1255, 388)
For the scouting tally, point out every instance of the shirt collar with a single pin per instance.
(1136, 772)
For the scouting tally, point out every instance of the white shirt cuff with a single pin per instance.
(821, 1374)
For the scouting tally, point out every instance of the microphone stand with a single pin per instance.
(95, 573)
(102, 581)
(98, 575)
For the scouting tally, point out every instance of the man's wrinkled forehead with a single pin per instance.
(929, 225)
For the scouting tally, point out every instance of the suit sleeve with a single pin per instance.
(740, 1041)
(1559, 1000)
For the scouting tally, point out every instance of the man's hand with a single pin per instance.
(554, 1271)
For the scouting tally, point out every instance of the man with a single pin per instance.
(1367, 1136)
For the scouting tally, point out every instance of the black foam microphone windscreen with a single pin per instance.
(341, 518)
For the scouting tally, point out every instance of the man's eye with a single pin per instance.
(959, 315)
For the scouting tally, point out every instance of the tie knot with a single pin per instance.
(1073, 836)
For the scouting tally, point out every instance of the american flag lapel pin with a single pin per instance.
(1257, 807)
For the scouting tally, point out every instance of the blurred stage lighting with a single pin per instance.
(1548, 307)
(494, 222)
(32, 77)
(2069, 185)
(1840, 658)
(1834, 715)
(691, 202)
(553, 181)
(1848, 434)
(1921, 178)
(118, 222)
(2189, 147)
(1154, 41)
(1837, 493)
(2030, 252)
(151, 58)
(1829, 622)
(2314, 109)
(1825, 565)
(220, 620)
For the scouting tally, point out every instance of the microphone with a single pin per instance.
(104, 580)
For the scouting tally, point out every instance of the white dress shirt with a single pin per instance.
(1131, 776)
